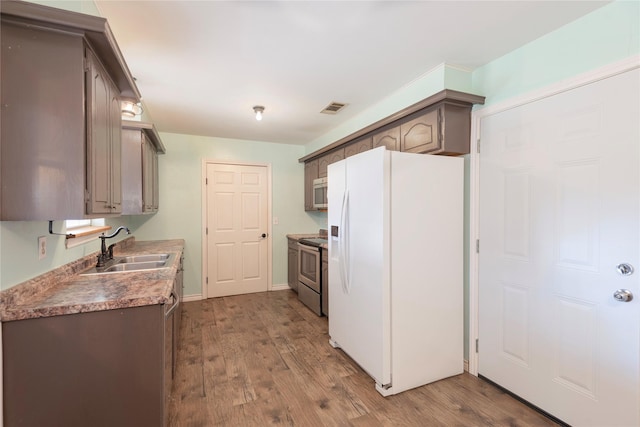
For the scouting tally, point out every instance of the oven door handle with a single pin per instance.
(173, 307)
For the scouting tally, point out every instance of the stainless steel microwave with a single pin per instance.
(320, 193)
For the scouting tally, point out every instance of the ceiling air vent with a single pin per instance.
(333, 108)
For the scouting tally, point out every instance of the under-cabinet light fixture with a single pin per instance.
(258, 109)
(131, 109)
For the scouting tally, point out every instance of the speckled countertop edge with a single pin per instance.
(302, 236)
(63, 291)
(307, 236)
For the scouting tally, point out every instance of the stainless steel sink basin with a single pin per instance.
(135, 266)
(143, 258)
(133, 263)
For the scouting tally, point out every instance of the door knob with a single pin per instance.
(263, 235)
(623, 295)
(625, 269)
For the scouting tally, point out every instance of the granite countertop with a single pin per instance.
(63, 291)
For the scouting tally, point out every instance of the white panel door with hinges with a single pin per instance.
(237, 225)
(559, 231)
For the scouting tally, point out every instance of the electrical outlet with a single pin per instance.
(275, 220)
(42, 247)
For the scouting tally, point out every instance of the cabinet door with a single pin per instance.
(310, 173)
(357, 147)
(327, 159)
(98, 141)
(422, 133)
(115, 157)
(147, 175)
(104, 177)
(112, 361)
(132, 147)
(42, 124)
(293, 268)
(156, 187)
(389, 138)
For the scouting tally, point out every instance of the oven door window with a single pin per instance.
(309, 268)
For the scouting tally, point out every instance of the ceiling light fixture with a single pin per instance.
(131, 109)
(258, 109)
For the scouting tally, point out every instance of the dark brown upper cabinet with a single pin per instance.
(63, 78)
(327, 159)
(310, 173)
(439, 124)
(356, 147)
(389, 138)
(141, 145)
(442, 130)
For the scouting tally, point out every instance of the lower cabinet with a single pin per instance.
(103, 368)
(325, 282)
(292, 265)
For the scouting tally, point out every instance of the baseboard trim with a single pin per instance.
(282, 287)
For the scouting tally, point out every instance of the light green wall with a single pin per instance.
(180, 214)
(19, 249)
(604, 36)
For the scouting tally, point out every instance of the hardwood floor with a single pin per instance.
(264, 359)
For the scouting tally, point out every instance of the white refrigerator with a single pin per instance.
(396, 265)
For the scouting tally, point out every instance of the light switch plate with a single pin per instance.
(42, 247)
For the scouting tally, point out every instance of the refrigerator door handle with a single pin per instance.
(344, 242)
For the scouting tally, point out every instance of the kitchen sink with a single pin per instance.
(135, 266)
(143, 258)
(133, 263)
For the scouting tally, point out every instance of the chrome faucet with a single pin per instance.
(107, 254)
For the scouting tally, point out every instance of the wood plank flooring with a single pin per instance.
(264, 359)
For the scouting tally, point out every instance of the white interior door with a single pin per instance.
(559, 211)
(237, 229)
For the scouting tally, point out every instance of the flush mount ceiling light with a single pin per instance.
(258, 109)
(131, 109)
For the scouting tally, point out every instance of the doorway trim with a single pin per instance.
(477, 115)
(203, 222)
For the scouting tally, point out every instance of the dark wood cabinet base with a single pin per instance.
(104, 368)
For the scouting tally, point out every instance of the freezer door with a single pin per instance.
(359, 267)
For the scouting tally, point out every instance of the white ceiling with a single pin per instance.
(202, 65)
